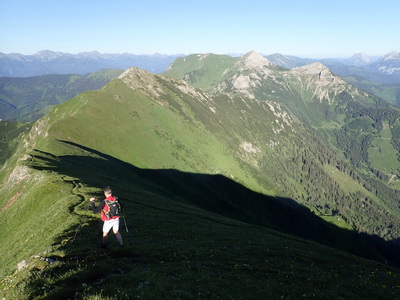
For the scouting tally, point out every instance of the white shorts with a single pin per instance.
(108, 224)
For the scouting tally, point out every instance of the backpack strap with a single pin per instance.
(106, 213)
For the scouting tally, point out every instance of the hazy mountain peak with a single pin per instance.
(47, 54)
(360, 55)
(360, 59)
(391, 56)
(253, 60)
(92, 54)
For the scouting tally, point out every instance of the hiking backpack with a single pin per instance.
(114, 208)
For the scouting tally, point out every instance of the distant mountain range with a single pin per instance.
(377, 75)
(49, 62)
(386, 69)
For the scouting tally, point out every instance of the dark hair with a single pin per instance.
(107, 190)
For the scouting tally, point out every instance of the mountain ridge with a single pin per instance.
(205, 219)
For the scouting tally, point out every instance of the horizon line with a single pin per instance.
(186, 54)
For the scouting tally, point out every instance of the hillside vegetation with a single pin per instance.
(213, 206)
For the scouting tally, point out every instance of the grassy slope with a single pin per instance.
(148, 135)
(173, 249)
(382, 152)
(177, 245)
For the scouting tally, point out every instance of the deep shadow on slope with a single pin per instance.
(216, 194)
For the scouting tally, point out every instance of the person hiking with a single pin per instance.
(109, 221)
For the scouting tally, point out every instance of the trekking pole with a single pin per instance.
(126, 227)
(80, 224)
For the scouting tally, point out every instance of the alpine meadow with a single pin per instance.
(238, 179)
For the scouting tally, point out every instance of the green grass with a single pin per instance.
(337, 221)
(149, 135)
(194, 233)
(347, 184)
(382, 154)
(179, 131)
(173, 250)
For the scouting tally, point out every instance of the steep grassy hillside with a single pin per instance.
(27, 99)
(341, 135)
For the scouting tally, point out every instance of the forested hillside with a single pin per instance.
(9, 133)
(29, 98)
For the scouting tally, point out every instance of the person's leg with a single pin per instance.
(106, 229)
(119, 238)
(105, 238)
(116, 232)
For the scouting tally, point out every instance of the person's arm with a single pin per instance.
(94, 208)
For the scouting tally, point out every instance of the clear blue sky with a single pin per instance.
(314, 29)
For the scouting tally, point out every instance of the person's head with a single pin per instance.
(107, 191)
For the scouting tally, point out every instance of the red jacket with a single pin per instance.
(103, 207)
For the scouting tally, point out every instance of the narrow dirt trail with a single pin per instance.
(391, 179)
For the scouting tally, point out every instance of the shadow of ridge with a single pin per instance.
(217, 194)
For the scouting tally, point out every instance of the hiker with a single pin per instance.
(109, 221)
